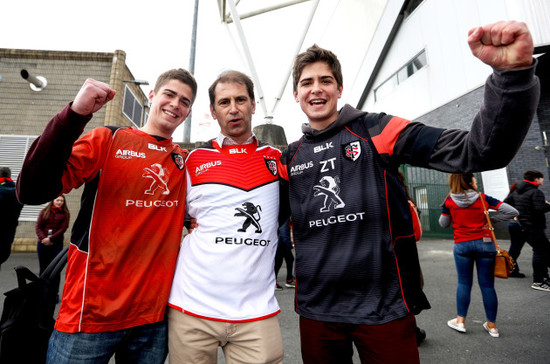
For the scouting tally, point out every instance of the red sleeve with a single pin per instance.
(416, 222)
(87, 157)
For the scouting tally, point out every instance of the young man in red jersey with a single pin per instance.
(126, 238)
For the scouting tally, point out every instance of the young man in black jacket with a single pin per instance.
(357, 270)
(529, 200)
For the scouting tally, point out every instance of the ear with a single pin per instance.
(253, 107)
(340, 89)
(213, 112)
(295, 96)
(151, 95)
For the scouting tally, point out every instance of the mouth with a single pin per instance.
(169, 113)
(317, 102)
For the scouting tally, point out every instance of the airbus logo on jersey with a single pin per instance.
(352, 150)
(156, 147)
(206, 166)
(328, 187)
(320, 148)
(128, 154)
(300, 168)
(251, 213)
(237, 151)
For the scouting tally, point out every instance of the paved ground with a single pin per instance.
(523, 317)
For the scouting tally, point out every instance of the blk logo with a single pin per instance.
(328, 187)
(159, 177)
(251, 213)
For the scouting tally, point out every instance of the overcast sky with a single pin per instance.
(156, 36)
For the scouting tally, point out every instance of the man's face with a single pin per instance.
(170, 106)
(539, 181)
(233, 110)
(318, 94)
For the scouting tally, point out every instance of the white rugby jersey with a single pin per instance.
(225, 266)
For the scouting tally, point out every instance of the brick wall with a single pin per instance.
(26, 112)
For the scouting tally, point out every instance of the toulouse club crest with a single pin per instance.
(271, 166)
(178, 160)
(352, 150)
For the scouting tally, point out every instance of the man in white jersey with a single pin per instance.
(222, 294)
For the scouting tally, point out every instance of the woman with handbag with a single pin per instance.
(465, 209)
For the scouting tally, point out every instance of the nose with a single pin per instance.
(316, 87)
(233, 107)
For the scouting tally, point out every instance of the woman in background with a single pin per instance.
(473, 244)
(52, 223)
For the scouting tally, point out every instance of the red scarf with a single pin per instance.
(5, 179)
(55, 209)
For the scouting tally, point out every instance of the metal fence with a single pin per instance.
(428, 189)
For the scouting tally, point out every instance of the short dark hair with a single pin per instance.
(316, 54)
(177, 74)
(5, 172)
(231, 76)
(532, 175)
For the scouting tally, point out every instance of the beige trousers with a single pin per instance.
(196, 340)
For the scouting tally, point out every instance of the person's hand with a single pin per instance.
(91, 97)
(193, 225)
(505, 44)
(47, 242)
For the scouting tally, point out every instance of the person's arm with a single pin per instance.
(38, 227)
(498, 130)
(445, 218)
(505, 212)
(539, 204)
(40, 179)
(284, 203)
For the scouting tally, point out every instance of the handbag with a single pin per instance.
(504, 263)
(27, 317)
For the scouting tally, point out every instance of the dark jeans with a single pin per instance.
(45, 256)
(284, 253)
(518, 237)
(541, 254)
(146, 344)
(328, 343)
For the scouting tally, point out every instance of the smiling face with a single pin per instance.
(170, 106)
(317, 92)
(59, 201)
(233, 109)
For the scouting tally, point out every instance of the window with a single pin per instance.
(131, 108)
(13, 149)
(414, 65)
